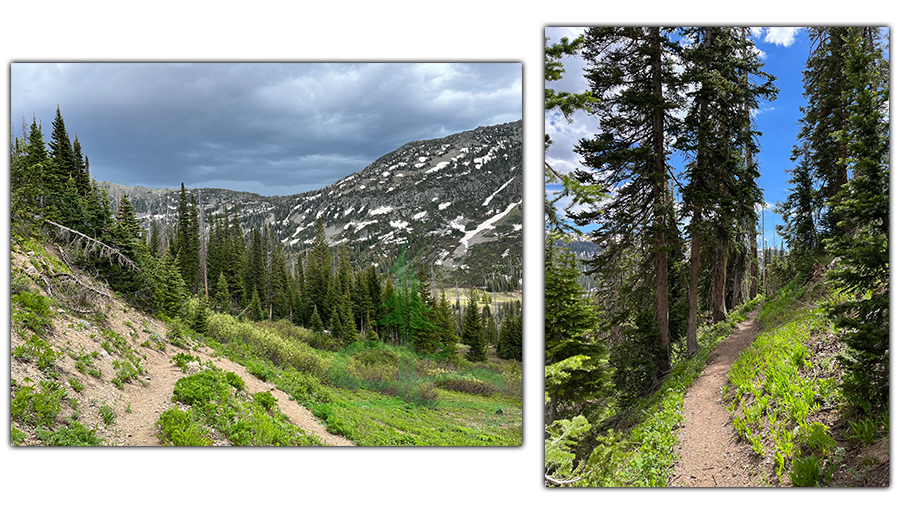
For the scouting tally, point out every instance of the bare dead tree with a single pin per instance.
(88, 245)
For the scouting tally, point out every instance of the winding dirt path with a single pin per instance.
(711, 453)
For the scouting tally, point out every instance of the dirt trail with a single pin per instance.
(711, 453)
(139, 402)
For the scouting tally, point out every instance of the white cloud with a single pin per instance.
(783, 36)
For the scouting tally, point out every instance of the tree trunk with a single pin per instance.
(754, 257)
(737, 294)
(692, 344)
(660, 196)
(719, 275)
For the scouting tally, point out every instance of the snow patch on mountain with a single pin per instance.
(437, 167)
(483, 226)
(381, 211)
(488, 200)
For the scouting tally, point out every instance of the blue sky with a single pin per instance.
(270, 128)
(784, 51)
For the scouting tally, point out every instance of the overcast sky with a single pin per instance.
(269, 128)
(783, 50)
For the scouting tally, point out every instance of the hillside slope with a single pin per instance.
(84, 361)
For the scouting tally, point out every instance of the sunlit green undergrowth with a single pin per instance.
(218, 406)
(268, 344)
(370, 418)
(380, 394)
(37, 406)
(772, 392)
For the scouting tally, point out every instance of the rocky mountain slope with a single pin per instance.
(455, 201)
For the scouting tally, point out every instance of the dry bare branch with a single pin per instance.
(91, 245)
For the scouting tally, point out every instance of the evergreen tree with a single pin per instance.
(200, 323)
(862, 238)
(569, 325)
(171, 290)
(81, 175)
(223, 296)
(632, 73)
(256, 267)
(63, 158)
(800, 214)
(319, 272)
(473, 331)
(187, 241)
(315, 321)
(824, 82)
(446, 326)
(127, 228)
(720, 191)
(256, 310)
(510, 336)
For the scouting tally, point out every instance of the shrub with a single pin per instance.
(374, 365)
(235, 381)
(267, 343)
(265, 399)
(469, 386)
(305, 388)
(34, 311)
(176, 427)
(38, 408)
(75, 434)
(37, 351)
(261, 370)
(427, 392)
(201, 388)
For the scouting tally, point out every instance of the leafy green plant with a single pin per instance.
(126, 370)
(200, 388)
(74, 434)
(809, 471)
(177, 427)
(261, 370)
(108, 415)
(863, 431)
(37, 351)
(77, 386)
(84, 362)
(815, 437)
(235, 381)
(265, 399)
(38, 408)
(33, 311)
(16, 437)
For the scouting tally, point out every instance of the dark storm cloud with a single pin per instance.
(269, 128)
